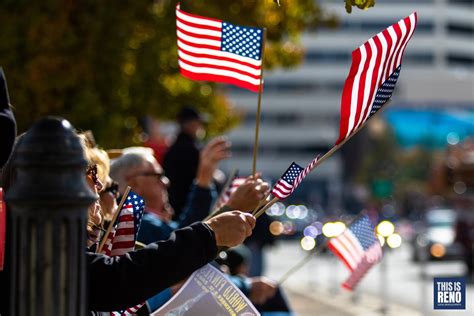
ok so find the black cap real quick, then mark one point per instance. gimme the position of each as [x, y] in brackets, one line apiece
[4, 99]
[190, 114]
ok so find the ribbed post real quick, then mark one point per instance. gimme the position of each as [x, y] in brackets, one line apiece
[46, 222]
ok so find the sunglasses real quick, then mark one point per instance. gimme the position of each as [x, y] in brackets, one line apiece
[113, 189]
[91, 172]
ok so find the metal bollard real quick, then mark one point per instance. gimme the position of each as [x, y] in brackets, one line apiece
[46, 224]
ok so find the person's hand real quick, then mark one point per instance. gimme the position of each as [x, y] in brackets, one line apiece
[262, 289]
[231, 228]
[214, 152]
[249, 194]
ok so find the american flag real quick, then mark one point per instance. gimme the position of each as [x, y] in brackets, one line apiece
[284, 187]
[374, 72]
[292, 178]
[214, 50]
[123, 236]
[358, 248]
[225, 196]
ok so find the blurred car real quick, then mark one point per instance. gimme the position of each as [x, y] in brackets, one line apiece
[436, 238]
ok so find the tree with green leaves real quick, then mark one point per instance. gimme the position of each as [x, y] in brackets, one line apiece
[104, 64]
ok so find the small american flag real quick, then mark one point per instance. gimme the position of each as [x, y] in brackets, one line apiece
[358, 248]
[284, 187]
[123, 236]
[225, 196]
[214, 50]
[292, 178]
[373, 74]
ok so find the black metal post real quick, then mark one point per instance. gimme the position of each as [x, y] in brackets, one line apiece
[46, 225]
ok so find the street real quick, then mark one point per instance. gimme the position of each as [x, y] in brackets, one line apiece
[318, 284]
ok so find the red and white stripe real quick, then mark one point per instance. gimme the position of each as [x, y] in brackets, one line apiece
[372, 64]
[373, 255]
[201, 58]
[348, 248]
[282, 189]
[225, 196]
[122, 239]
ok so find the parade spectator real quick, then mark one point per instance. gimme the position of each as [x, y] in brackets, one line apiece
[142, 172]
[182, 158]
[7, 122]
[138, 275]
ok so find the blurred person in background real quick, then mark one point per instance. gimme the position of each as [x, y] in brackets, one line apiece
[182, 158]
[154, 138]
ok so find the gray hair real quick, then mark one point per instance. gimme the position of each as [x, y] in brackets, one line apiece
[121, 166]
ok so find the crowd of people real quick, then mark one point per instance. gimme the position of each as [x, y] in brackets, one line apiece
[177, 234]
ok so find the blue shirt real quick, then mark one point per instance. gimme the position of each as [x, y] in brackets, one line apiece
[197, 208]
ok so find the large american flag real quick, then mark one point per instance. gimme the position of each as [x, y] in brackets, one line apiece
[373, 74]
[215, 50]
[123, 236]
[358, 248]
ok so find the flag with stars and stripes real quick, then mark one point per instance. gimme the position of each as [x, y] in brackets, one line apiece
[123, 236]
[292, 178]
[214, 50]
[284, 186]
[373, 74]
[358, 248]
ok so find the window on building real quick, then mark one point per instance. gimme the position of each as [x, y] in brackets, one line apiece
[460, 60]
[460, 29]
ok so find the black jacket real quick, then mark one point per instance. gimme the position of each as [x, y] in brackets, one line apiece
[120, 282]
[180, 164]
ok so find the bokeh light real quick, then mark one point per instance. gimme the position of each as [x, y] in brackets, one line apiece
[394, 240]
[276, 228]
[308, 243]
[437, 250]
[311, 231]
[385, 228]
[277, 209]
[338, 228]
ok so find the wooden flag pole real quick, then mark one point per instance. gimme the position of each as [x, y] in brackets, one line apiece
[326, 156]
[297, 266]
[257, 124]
[114, 219]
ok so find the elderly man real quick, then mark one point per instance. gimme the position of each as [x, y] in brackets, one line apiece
[141, 171]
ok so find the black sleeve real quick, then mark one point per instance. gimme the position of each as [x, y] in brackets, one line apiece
[120, 282]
